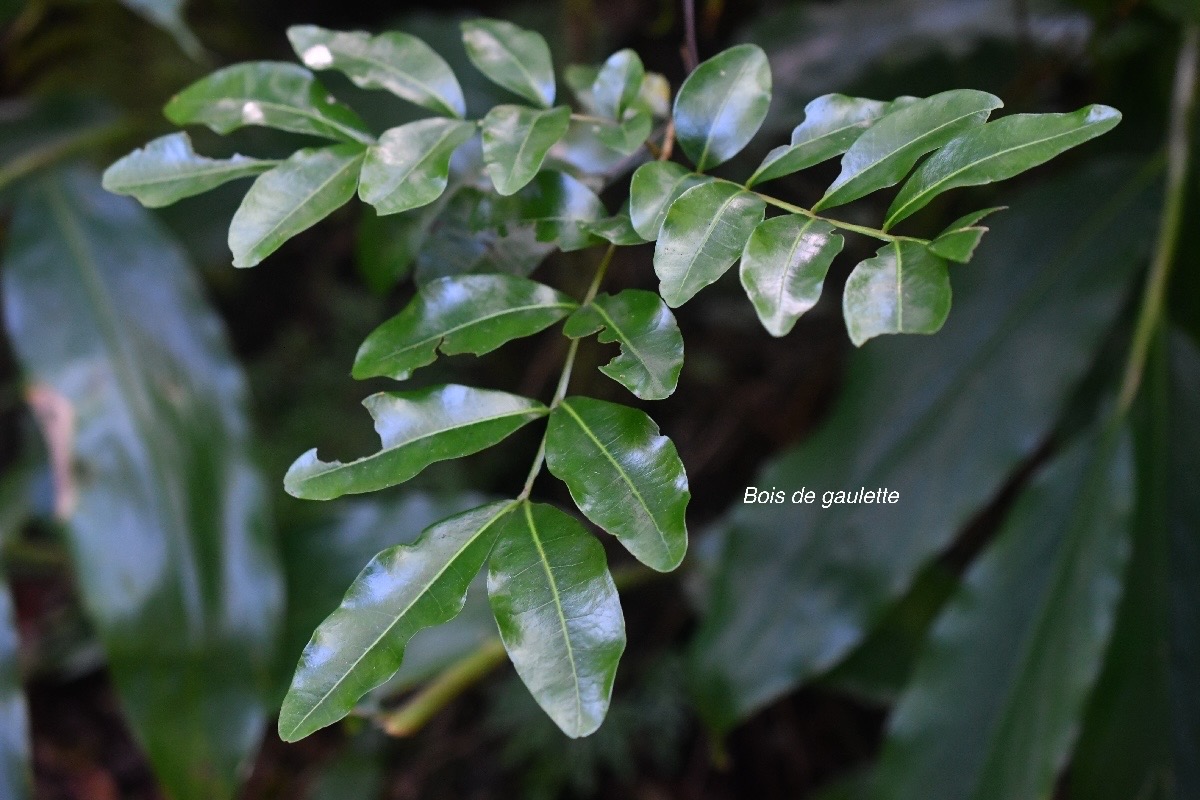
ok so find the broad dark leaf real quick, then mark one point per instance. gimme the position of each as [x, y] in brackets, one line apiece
[651, 356]
[624, 475]
[291, 198]
[417, 428]
[784, 266]
[798, 586]
[961, 237]
[617, 229]
[885, 153]
[652, 190]
[461, 314]
[702, 236]
[404, 589]
[618, 83]
[512, 57]
[168, 169]
[177, 567]
[516, 140]
[831, 124]
[905, 288]
[398, 62]
[1001, 685]
[410, 165]
[559, 614]
[560, 208]
[999, 150]
[721, 105]
[271, 93]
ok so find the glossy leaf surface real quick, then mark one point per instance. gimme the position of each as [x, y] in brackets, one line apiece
[798, 586]
[459, 314]
[291, 198]
[560, 208]
[887, 151]
[617, 229]
[410, 165]
[721, 105]
[702, 236]
[274, 94]
[516, 140]
[398, 62]
[512, 57]
[417, 428]
[831, 124]
[904, 289]
[961, 237]
[651, 356]
[999, 150]
[784, 266]
[652, 189]
[168, 169]
[402, 590]
[618, 83]
[1001, 685]
[559, 614]
[170, 530]
[624, 475]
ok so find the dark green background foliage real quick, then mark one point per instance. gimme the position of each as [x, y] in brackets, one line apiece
[510, 231]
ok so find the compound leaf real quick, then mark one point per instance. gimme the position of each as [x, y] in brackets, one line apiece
[398, 62]
[624, 476]
[904, 289]
[558, 613]
[270, 93]
[721, 105]
[291, 198]
[831, 124]
[417, 428]
[784, 266]
[410, 165]
[168, 169]
[652, 189]
[402, 590]
[997, 151]
[651, 354]
[702, 236]
[512, 57]
[516, 140]
[460, 314]
[886, 151]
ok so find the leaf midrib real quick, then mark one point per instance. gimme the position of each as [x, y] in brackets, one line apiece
[702, 161]
[250, 165]
[404, 77]
[432, 153]
[354, 134]
[712, 226]
[628, 343]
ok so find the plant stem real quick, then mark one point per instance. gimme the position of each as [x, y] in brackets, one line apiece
[564, 378]
[1183, 104]
[874, 233]
[60, 149]
[691, 53]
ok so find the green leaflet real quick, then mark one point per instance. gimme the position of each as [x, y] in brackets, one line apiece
[512, 57]
[410, 165]
[402, 64]
[784, 266]
[904, 289]
[559, 614]
[274, 94]
[168, 169]
[618, 83]
[997, 151]
[961, 237]
[1001, 685]
[402, 590]
[702, 236]
[516, 140]
[417, 428]
[1142, 726]
[885, 153]
[291, 198]
[627, 135]
[560, 208]
[721, 105]
[623, 475]
[172, 504]
[651, 356]
[831, 124]
[652, 189]
[617, 229]
[797, 587]
[460, 314]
